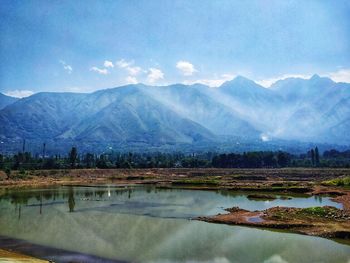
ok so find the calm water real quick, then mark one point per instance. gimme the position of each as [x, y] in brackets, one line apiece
[143, 224]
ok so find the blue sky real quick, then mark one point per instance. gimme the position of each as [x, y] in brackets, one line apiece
[88, 45]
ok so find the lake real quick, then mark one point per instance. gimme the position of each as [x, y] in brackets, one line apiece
[146, 224]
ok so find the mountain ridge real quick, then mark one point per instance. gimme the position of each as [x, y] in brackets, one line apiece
[6, 100]
[307, 110]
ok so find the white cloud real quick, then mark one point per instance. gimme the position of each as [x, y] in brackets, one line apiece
[108, 64]
[127, 65]
[215, 82]
[104, 71]
[99, 71]
[133, 70]
[154, 75]
[66, 67]
[342, 75]
[19, 93]
[131, 80]
[123, 63]
[186, 68]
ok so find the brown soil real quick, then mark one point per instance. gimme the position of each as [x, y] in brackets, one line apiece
[297, 179]
[328, 222]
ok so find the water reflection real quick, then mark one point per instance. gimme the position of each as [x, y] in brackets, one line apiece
[148, 200]
[146, 224]
[35, 197]
[71, 201]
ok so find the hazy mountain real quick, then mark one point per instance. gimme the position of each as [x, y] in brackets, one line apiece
[124, 114]
[260, 106]
[197, 103]
[133, 116]
[248, 92]
[42, 115]
[6, 100]
[299, 90]
[306, 110]
[315, 107]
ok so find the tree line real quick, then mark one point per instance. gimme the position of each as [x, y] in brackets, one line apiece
[254, 159]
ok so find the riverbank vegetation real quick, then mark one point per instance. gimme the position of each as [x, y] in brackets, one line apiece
[345, 181]
[263, 159]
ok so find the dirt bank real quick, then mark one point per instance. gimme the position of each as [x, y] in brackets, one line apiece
[327, 221]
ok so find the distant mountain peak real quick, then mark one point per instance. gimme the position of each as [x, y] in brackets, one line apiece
[241, 78]
[296, 82]
[240, 81]
[315, 77]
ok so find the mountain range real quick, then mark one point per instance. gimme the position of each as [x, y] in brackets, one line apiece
[6, 100]
[315, 110]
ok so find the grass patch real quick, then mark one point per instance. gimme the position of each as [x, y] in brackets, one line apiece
[197, 182]
[318, 211]
[22, 174]
[345, 181]
[308, 214]
[314, 211]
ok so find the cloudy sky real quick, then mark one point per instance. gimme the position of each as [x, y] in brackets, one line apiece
[83, 46]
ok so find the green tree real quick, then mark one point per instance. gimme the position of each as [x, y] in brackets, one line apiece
[49, 163]
[89, 160]
[8, 172]
[317, 157]
[73, 155]
[101, 164]
[313, 157]
[2, 161]
[283, 159]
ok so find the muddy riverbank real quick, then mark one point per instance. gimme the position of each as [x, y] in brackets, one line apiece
[328, 222]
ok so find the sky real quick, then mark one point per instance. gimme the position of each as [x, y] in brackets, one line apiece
[82, 46]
